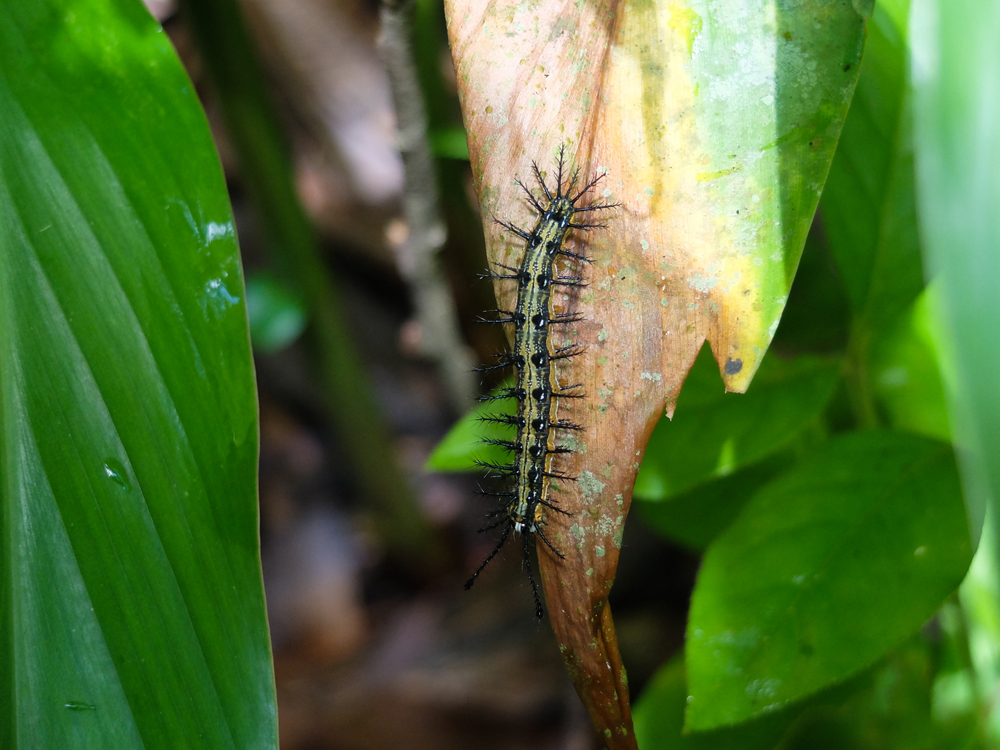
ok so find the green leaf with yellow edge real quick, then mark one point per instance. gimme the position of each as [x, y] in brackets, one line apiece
[132, 607]
[714, 123]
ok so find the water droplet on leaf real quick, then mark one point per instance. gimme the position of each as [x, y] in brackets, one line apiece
[116, 472]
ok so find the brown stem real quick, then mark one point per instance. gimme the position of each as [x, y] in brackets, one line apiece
[418, 253]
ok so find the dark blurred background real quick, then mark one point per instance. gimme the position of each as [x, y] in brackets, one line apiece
[371, 649]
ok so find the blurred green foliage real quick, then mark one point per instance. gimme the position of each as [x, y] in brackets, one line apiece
[277, 315]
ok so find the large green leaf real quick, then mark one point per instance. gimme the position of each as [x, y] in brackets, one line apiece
[826, 569]
[713, 433]
[659, 719]
[695, 517]
[957, 139]
[868, 203]
[905, 372]
[131, 603]
[888, 706]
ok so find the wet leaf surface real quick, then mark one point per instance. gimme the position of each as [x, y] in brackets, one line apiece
[132, 612]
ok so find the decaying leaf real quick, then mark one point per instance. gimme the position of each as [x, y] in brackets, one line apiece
[715, 122]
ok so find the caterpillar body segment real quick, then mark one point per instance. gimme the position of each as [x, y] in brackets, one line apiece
[534, 356]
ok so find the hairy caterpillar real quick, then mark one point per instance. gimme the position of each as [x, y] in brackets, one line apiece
[536, 389]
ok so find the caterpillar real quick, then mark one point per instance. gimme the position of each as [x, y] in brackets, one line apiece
[528, 492]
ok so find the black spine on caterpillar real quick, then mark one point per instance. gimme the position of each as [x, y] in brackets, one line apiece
[536, 387]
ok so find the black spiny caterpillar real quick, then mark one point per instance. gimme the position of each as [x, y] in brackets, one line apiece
[537, 390]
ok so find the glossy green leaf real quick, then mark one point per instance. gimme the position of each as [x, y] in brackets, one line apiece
[890, 707]
[131, 604]
[905, 374]
[713, 433]
[277, 316]
[825, 570]
[886, 707]
[841, 714]
[658, 717]
[868, 204]
[695, 517]
[957, 138]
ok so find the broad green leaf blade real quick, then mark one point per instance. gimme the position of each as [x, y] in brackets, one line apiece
[659, 719]
[905, 371]
[850, 709]
[893, 705]
[957, 139]
[131, 603]
[826, 569]
[713, 433]
[695, 517]
[716, 135]
[868, 204]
